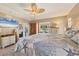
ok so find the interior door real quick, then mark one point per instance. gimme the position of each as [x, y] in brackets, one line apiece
[32, 28]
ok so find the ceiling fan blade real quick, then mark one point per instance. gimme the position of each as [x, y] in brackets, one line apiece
[33, 4]
[40, 10]
[28, 10]
[34, 7]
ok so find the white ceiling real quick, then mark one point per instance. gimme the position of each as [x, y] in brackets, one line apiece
[51, 9]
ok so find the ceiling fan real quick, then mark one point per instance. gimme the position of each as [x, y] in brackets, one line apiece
[35, 9]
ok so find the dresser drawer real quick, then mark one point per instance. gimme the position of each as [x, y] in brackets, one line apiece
[12, 39]
[5, 41]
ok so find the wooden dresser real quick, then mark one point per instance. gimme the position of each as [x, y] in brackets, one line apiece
[7, 40]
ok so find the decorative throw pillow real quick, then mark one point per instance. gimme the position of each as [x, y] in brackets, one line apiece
[70, 33]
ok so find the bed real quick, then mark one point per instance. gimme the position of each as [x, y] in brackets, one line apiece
[49, 45]
[53, 45]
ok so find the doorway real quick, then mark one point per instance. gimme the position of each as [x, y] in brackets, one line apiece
[32, 28]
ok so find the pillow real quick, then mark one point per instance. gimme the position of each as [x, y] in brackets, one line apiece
[70, 33]
[76, 38]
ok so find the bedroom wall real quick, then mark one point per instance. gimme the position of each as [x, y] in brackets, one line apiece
[61, 23]
[20, 20]
[74, 15]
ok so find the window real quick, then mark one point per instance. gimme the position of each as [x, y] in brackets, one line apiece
[44, 27]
